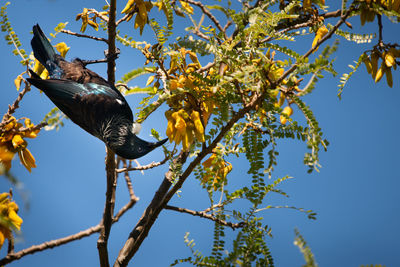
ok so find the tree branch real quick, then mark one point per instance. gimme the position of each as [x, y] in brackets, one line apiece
[313, 49]
[84, 35]
[208, 13]
[203, 214]
[110, 158]
[145, 167]
[15, 105]
[61, 241]
[149, 216]
[163, 196]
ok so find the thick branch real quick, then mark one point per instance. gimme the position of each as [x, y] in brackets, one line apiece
[205, 215]
[141, 229]
[110, 158]
[163, 196]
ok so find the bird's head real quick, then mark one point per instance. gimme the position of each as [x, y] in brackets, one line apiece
[134, 147]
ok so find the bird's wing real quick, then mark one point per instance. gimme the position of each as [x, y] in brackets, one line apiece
[88, 105]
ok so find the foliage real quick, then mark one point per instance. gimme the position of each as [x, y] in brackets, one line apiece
[231, 106]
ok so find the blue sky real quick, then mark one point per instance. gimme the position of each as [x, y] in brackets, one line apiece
[355, 194]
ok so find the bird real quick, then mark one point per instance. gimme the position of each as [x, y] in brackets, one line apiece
[90, 101]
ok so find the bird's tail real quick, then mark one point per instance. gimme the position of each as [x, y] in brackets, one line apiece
[42, 49]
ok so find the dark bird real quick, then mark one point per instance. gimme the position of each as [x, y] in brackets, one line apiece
[88, 100]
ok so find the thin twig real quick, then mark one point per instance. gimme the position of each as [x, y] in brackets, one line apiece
[145, 167]
[15, 105]
[314, 48]
[123, 19]
[84, 35]
[206, 67]
[61, 241]
[94, 11]
[208, 13]
[202, 214]
[49, 244]
[10, 249]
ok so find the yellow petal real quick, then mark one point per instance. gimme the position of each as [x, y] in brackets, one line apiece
[380, 72]
[149, 80]
[18, 82]
[2, 235]
[283, 119]
[27, 159]
[62, 48]
[143, 11]
[288, 111]
[389, 59]
[209, 162]
[322, 31]
[129, 7]
[93, 24]
[17, 141]
[180, 123]
[187, 7]
[170, 130]
[38, 68]
[44, 75]
[389, 77]
[15, 219]
[5, 154]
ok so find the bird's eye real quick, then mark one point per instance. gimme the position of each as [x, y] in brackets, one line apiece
[140, 149]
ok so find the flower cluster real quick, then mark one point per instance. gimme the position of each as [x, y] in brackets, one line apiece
[217, 169]
[279, 96]
[388, 56]
[8, 217]
[367, 12]
[191, 102]
[321, 32]
[12, 141]
[142, 8]
[86, 20]
[184, 128]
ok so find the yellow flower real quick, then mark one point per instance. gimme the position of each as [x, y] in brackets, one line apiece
[39, 69]
[216, 168]
[186, 7]
[27, 159]
[322, 31]
[62, 48]
[18, 142]
[12, 141]
[8, 217]
[6, 157]
[288, 111]
[142, 9]
[18, 82]
[199, 129]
